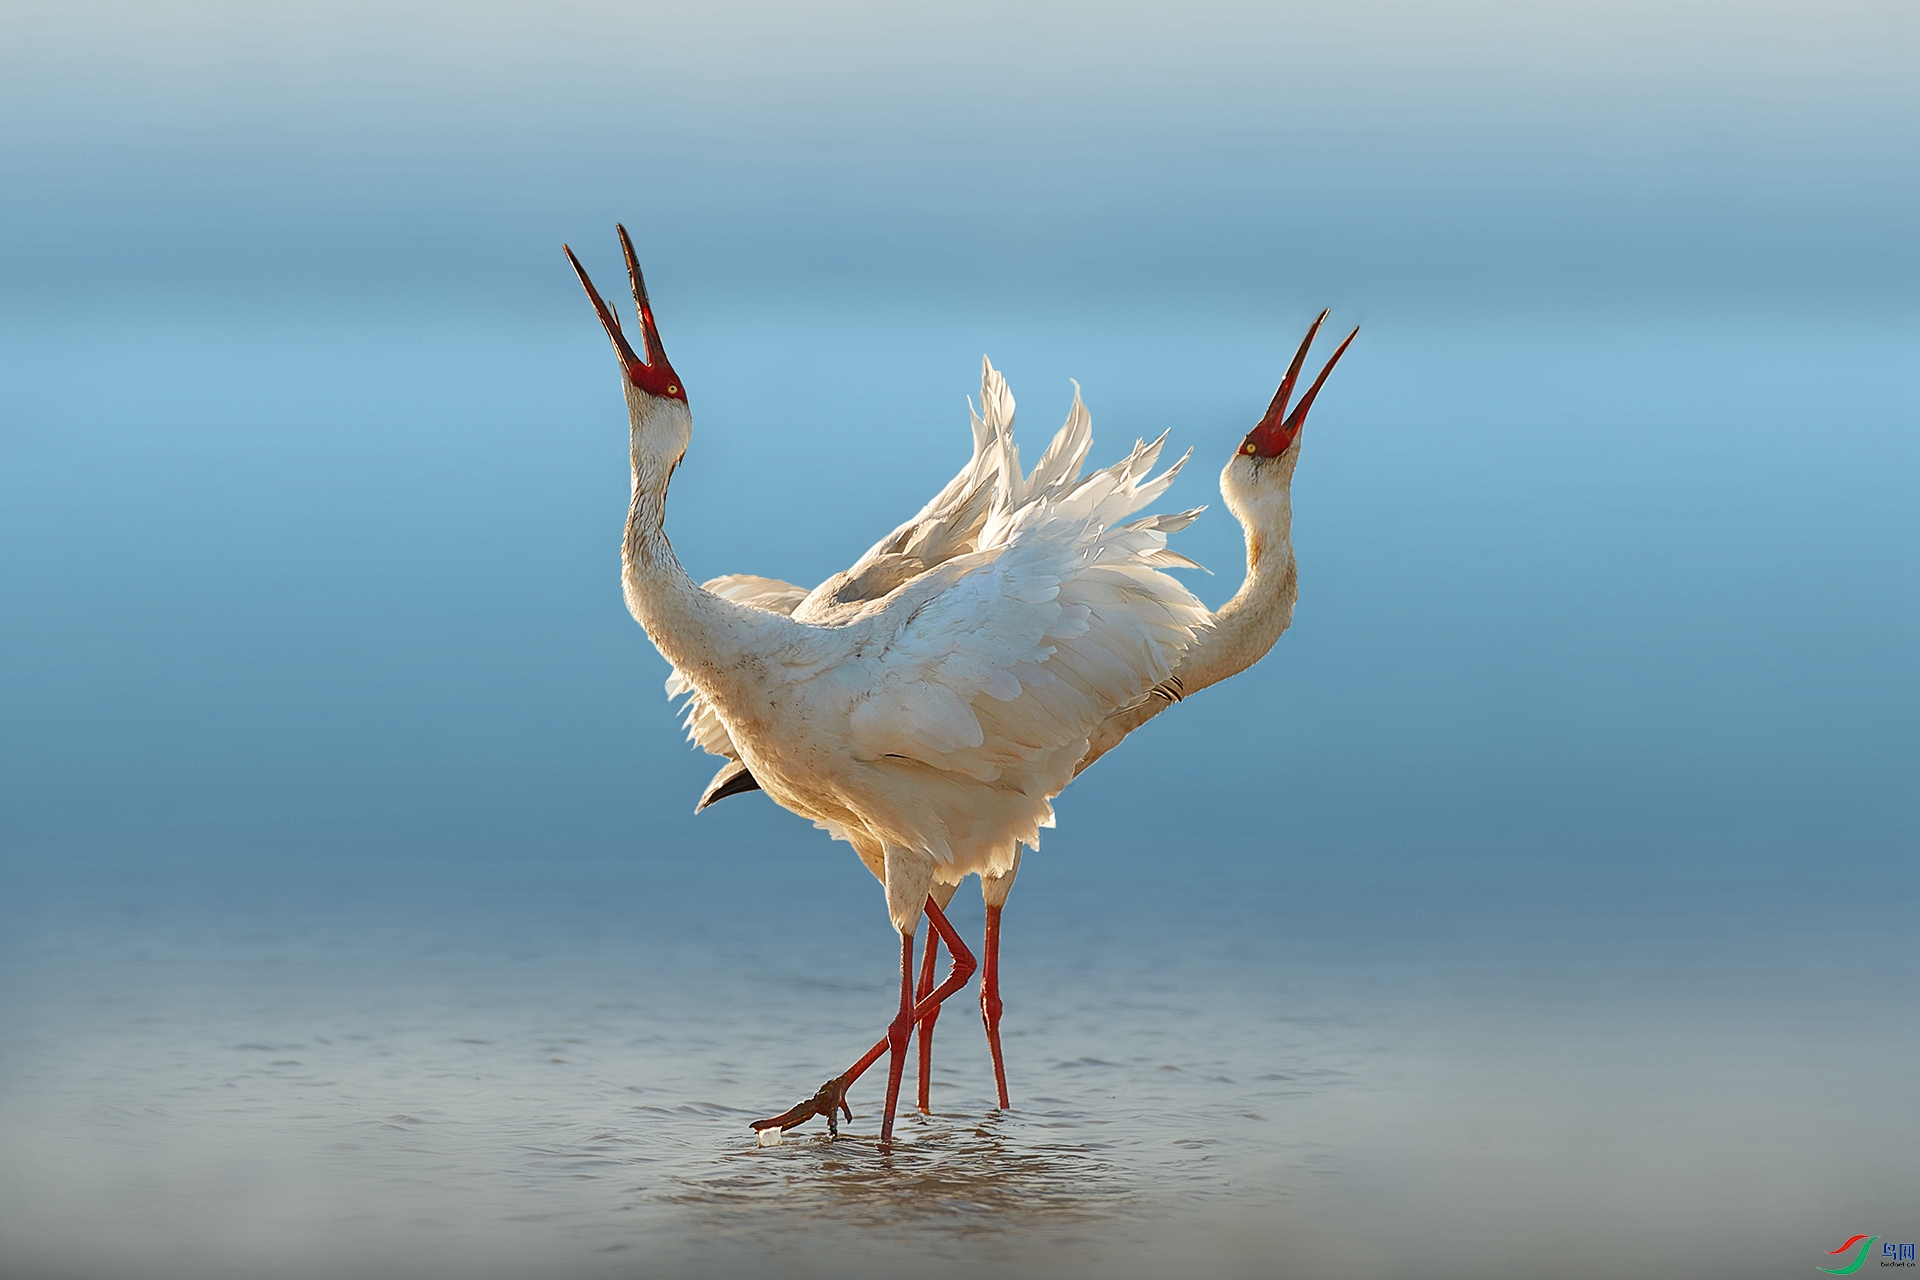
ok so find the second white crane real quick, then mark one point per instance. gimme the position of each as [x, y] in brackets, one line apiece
[1257, 486]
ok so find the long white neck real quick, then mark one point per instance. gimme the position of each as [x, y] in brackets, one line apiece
[709, 639]
[1247, 626]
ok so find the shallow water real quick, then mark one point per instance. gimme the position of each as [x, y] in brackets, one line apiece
[1544, 905]
[379, 1071]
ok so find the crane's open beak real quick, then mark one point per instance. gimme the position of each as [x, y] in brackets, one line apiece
[1278, 429]
[652, 375]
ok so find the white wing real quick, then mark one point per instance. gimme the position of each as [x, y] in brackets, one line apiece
[996, 666]
[1017, 613]
[952, 523]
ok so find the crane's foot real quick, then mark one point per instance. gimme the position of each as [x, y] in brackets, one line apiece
[831, 1098]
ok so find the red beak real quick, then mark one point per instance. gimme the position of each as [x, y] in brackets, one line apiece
[652, 375]
[1278, 429]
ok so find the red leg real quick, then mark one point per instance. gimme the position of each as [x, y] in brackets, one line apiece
[990, 1002]
[832, 1096]
[899, 1035]
[926, 1023]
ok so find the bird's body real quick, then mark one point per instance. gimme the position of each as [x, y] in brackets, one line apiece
[932, 726]
[1257, 486]
[928, 705]
[1033, 746]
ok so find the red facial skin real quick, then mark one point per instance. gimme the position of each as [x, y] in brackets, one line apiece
[652, 375]
[1279, 429]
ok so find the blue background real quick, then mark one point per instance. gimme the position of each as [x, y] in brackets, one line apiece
[315, 468]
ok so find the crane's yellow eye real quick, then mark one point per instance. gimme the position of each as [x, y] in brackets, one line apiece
[1247, 447]
[672, 390]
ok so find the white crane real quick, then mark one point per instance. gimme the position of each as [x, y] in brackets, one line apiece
[1257, 486]
[929, 727]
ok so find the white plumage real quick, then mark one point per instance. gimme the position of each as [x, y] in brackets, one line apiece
[928, 708]
[1257, 485]
[1054, 616]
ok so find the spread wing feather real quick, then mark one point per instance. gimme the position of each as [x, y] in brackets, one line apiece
[1009, 617]
[1059, 620]
[948, 526]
